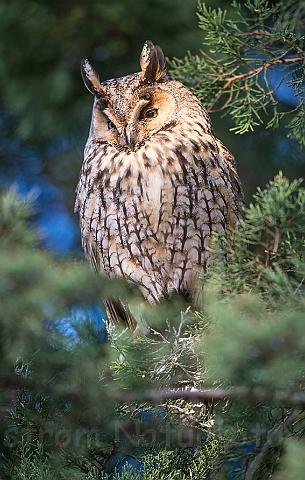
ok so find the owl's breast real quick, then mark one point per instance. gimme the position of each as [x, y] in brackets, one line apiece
[149, 215]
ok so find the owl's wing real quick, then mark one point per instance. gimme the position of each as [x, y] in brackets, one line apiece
[235, 181]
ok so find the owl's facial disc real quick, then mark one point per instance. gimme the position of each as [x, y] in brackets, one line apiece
[151, 114]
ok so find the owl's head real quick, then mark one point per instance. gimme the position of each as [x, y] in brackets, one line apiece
[129, 110]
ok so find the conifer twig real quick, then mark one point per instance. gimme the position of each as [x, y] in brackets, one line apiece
[274, 435]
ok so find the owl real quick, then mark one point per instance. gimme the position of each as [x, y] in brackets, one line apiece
[155, 182]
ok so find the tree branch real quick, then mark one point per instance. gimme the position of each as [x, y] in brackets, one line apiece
[228, 81]
[253, 394]
[272, 437]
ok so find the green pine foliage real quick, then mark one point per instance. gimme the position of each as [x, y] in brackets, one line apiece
[255, 349]
[232, 74]
[71, 406]
[268, 243]
[76, 407]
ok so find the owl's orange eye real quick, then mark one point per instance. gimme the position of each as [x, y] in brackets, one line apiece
[153, 113]
[111, 125]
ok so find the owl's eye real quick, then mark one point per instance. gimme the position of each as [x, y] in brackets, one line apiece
[111, 125]
[153, 113]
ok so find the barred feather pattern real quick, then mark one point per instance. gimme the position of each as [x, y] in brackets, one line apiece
[148, 206]
[148, 216]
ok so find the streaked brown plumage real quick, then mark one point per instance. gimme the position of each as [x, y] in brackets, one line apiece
[155, 181]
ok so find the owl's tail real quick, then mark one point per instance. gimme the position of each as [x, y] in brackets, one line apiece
[118, 313]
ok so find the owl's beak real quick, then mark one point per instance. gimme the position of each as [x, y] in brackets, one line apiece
[131, 137]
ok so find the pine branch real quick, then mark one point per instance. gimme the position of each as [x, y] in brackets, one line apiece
[242, 52]
[254, 72]
[290, 417]
[257, 394]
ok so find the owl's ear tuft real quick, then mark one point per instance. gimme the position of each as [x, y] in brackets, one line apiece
[91, 79]
[152, 63]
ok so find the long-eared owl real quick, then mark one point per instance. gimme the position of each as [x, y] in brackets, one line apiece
[155, 182]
